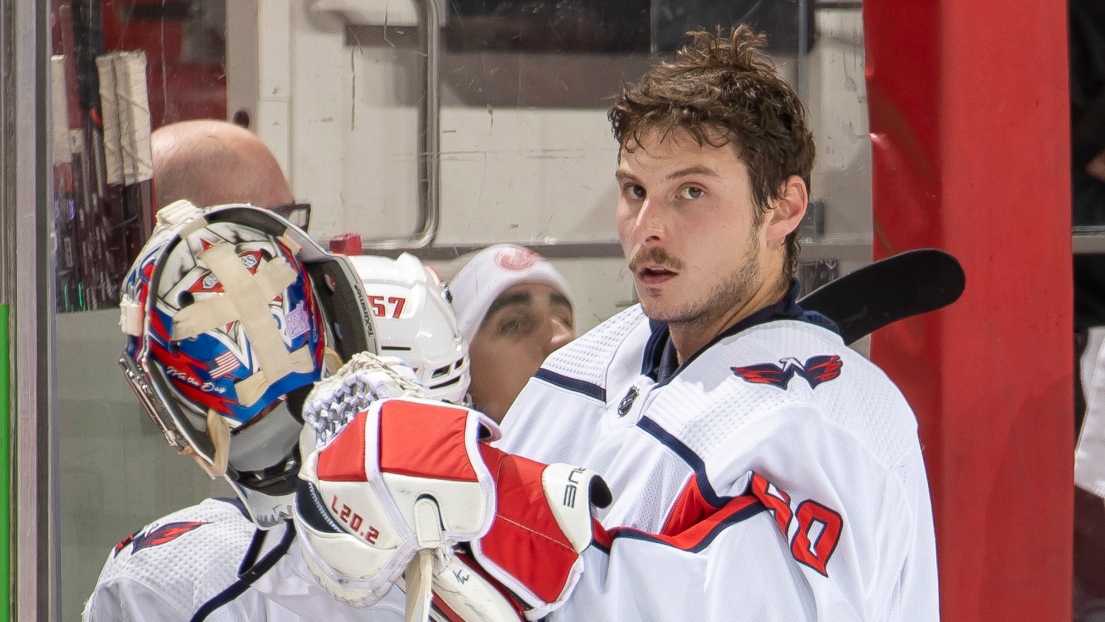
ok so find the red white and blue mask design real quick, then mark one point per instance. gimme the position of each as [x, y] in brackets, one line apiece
[234, 325]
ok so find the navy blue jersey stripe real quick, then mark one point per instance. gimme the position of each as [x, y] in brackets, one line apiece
[246, 577]
[688, 456]
[255, 546]
[593, 391]
[635, 534]
[236, 502]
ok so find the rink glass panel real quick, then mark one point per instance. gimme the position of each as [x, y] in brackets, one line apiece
[526, 156]
[115, 471]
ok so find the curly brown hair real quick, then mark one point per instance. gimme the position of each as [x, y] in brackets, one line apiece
[723, 89]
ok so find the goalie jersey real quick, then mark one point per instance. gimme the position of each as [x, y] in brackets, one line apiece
[776, 475]
[210, 562]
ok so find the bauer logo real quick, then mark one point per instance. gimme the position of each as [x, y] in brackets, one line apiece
[573, 485]
[816, 370]
[516, 259]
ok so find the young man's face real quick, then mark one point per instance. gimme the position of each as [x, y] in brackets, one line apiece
[523, 326]
[693, 236]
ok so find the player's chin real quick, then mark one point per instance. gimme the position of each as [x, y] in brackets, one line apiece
[654, 293]
[657, 309]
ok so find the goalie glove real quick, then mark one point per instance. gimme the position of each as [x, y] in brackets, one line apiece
[543, 522]
[529, 562]
[394, 483]
[386, 479]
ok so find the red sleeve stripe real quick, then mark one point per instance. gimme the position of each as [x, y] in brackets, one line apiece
[690, 508]
[696, 537]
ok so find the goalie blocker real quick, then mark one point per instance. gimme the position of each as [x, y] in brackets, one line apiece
[387, 498]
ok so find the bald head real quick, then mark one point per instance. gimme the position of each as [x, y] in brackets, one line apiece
[213, 162]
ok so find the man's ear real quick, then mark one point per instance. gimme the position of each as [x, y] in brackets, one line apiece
[788, 210]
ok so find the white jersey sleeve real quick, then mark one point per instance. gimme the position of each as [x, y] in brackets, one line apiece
[1089, 452]
[173, 566]
[291, 585]
[775, 476]
[210, 562]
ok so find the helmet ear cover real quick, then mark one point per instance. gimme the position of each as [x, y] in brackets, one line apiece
[148, 381]
[348, 329]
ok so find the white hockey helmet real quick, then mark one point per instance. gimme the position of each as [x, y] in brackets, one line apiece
[416, 323]
[232, 314]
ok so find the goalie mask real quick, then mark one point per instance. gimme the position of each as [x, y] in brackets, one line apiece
[416, 323]
[232, 313]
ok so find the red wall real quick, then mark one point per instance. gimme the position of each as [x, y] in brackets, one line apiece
[970, 134]
[179, 88]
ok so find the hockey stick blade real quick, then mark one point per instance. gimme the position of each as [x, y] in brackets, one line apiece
[895, 288]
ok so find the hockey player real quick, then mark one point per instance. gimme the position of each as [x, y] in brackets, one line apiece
[760, 469]
[231, 315]
[416, 323]
[771, 472]
[514, 309]
[200, 562]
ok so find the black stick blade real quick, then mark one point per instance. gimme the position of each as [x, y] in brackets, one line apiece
[901, 286]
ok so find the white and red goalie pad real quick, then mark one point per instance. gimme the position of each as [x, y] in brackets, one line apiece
[372, 479]
[543, 522]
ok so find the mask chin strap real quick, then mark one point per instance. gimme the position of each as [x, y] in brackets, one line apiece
[218, 430]
[331, 361]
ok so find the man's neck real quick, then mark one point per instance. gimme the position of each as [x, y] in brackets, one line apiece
[691, 337]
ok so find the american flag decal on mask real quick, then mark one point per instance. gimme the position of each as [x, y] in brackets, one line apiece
[224, 364]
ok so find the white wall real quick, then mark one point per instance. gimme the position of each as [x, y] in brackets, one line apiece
[512, 168]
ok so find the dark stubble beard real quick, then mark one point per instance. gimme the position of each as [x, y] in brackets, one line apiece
[729, 293]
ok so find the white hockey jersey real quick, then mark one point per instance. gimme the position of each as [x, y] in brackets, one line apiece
[776, 475]
[203, 563]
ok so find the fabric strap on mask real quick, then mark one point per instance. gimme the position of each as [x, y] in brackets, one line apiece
[245, 299]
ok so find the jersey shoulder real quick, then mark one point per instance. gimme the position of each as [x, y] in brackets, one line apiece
[784, 375]
[186, 557]
[559, 411]
[614, 345]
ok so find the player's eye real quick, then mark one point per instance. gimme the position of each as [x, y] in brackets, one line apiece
[634, 191]
[691, 192]
[565, 320]
[516, 326]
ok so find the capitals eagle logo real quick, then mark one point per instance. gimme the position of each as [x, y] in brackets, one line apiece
[816, 370]
[157, 536]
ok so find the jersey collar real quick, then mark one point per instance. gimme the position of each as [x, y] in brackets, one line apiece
[661, 362]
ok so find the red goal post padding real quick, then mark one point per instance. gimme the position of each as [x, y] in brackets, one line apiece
[970, 147]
